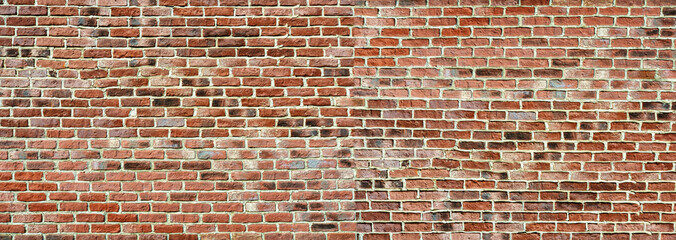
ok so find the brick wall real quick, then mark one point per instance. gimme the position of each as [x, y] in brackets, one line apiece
[337, 119]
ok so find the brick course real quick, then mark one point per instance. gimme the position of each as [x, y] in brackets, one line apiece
[337, 119]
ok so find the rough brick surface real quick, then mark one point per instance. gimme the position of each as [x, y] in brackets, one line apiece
[337, 119]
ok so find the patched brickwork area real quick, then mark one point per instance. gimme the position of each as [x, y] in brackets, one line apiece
[337, 119]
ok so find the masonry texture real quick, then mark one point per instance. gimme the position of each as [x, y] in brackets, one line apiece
[337, 119]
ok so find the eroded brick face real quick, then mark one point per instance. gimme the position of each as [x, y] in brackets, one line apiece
[330, 119]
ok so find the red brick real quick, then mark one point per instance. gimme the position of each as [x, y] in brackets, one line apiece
[323, 119]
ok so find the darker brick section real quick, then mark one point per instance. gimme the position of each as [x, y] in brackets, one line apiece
[136, 165]
[165, 102]
[669, 11]
[176, 120]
